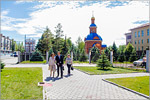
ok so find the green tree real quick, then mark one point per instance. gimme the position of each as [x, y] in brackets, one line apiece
[95, 53]
[128, 51]
[83, 56]
[133, 56]
[103, 62]
[45, 42]
[121, 56]
[143, 54]
[50, 52]
[65, 46]
[58, 41]
[36, 56]
[13, 45]
[96, 56]
[115, 49]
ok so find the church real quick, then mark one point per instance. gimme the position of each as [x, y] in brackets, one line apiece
[93, 39]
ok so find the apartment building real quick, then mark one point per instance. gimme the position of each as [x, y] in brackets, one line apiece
[29, 45]
[5, 44]
[140, 38]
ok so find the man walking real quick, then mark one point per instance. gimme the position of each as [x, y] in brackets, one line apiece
[59, 63]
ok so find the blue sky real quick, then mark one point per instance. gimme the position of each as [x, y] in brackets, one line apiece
[113, 19]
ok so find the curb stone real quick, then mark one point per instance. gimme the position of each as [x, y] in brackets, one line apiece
[127, 89]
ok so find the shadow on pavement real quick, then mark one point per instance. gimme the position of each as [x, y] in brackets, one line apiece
[67, 75]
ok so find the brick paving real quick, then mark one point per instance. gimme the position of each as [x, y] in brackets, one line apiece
[82, 86]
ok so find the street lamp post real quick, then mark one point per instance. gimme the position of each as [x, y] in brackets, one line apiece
[90, 56]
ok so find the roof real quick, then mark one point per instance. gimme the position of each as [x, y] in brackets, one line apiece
[93, 36]
[92, 25]
[104, 45]
[129, 33]
[144, 25]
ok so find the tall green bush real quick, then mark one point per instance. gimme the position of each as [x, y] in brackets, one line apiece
[36, 56]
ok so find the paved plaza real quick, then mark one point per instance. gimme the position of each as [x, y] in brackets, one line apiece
[82, 86]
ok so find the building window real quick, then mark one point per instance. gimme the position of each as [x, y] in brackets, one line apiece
[138, 33]
[129, 37]
[139, 41]
[142, 41]
[147, 40]
[142, 48]
[135, 42]
[142, 32]
[135, 35]
[147, 32]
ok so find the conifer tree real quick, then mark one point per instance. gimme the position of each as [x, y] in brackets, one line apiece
[36, 56]
[103, 62]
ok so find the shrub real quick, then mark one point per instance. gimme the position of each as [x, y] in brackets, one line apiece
[36, 56]
[2, 65]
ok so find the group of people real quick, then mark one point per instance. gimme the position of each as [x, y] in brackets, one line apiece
[58, 60]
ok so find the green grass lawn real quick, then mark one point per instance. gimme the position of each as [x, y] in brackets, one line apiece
[110, 70]
[139, 84]
[21, 83]
[80, 62]
[123, 62]
[33, 62]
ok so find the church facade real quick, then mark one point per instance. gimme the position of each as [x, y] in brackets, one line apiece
[93, 39]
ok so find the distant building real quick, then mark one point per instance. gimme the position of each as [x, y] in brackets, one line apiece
[140, 38]
[29, 45]
[93, 39]
[128, 38]
[5, 44]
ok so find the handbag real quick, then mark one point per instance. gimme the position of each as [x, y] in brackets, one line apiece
[63, 67]
[72, 68]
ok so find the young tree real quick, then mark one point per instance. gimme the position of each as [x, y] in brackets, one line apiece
[103, 62]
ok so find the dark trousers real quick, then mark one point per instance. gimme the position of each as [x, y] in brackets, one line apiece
[61, 70]
[69, 67]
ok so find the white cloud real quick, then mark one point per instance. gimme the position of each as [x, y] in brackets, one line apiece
[111, 23]
[22, 1]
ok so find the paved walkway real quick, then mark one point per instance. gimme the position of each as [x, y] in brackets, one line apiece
[83, 86]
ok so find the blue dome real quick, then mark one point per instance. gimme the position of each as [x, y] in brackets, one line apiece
[91, 36]
[92, 25]
[104, 45]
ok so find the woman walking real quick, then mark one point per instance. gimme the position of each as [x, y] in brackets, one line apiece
[69, 63]
[52, 66]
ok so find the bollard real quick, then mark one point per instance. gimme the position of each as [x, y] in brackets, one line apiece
[47, 57]
[147, 60]
[111, 57]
